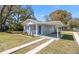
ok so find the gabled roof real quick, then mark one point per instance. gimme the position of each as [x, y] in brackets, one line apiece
[30, 20]
[42, 22]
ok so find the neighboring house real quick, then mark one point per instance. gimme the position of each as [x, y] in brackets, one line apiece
[36, 27]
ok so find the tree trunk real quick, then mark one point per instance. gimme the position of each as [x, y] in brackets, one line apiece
[1, 17]
[3, 24]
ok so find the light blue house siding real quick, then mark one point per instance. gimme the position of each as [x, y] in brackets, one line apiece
[47, 29]
[35, 27]
[42, 29]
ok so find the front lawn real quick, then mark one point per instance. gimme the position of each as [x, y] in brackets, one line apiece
[8, 40]
[30, 47]
[67, 35]
[66, 45]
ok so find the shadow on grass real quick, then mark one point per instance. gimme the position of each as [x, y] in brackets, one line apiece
[67, 37]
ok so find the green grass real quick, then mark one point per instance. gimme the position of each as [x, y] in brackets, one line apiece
[8, 40]
[66, 45]
[67, 35]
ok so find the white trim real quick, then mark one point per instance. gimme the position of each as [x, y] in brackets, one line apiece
[30, 23]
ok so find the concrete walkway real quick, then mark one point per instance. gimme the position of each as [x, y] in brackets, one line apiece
[76, 37]
[48, 37]
[22, 46]
[37, 49]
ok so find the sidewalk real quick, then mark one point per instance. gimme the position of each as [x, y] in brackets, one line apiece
[76, 37]
[22, 46]
[37, 49]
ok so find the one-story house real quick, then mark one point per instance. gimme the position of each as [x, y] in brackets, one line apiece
[36, 27]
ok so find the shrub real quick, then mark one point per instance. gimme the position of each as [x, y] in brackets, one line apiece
[16, 32]
[9, 31]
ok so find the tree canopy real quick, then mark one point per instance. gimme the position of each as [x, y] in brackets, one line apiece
[11, 17]
[73, 23]
[14, 15]
[60, 15]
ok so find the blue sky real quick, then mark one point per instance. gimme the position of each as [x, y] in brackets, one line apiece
[41, 10]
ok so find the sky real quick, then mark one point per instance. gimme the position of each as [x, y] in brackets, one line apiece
[41, 10]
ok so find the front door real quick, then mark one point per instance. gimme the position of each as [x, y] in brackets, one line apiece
[39, 31]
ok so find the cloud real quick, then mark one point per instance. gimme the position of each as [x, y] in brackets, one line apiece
[57, 7]
[42, 15]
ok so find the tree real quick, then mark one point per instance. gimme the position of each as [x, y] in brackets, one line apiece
[4, 14]
[14, 14]
[20, 14]
[60, 15]
[27, 13]
[73, 23]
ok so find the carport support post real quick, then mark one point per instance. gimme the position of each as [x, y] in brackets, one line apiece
[36, 29]
[24, 29]
[29, 30]
[41, 29]
[57, 32]
[61, 31]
